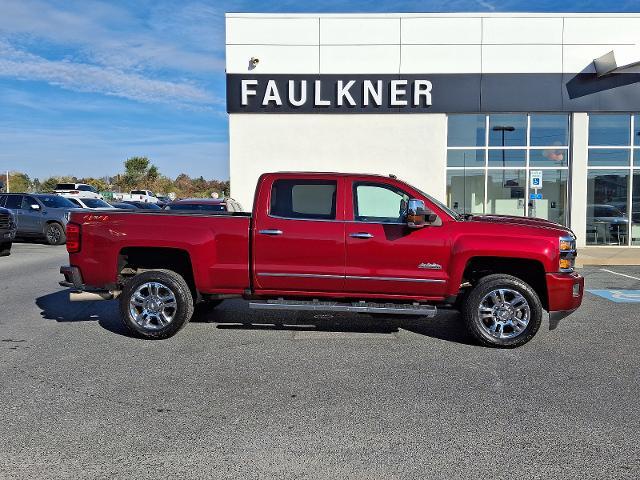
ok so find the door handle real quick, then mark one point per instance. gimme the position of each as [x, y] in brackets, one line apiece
[270, 232]
[361, 235]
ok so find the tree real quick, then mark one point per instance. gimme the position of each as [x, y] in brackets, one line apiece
[19, 182]
[96, 183]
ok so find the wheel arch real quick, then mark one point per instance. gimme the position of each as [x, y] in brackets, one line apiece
[528, 270]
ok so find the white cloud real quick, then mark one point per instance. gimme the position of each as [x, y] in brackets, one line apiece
[113, 36]
[98, 79]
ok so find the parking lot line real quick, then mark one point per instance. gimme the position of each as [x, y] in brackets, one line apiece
[621, 274]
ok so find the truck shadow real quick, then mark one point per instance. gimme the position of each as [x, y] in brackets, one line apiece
[235, 315]
[56, 306]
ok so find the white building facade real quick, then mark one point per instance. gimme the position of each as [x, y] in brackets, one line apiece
[516, 114]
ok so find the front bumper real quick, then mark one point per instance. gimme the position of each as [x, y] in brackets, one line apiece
[564, 291]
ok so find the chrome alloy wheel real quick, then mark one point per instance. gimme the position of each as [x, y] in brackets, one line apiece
[504, 313]
[153, 306]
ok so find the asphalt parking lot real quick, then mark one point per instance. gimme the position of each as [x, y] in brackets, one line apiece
[240, 394]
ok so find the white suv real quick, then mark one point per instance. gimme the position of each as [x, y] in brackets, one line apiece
[77, 190]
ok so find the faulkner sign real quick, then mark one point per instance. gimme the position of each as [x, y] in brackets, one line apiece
[432, 93]
[331, 93]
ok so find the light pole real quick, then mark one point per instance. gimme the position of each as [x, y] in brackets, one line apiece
[502, 129]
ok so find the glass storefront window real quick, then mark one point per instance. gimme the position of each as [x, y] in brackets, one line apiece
[608, 157]
[465, 158]
[553, 204]
[507, 158]
[510, 156]
[465, 191]
[549, 157]
[466, 131]
[506, 192]
[549, 130]
[635, 210]
[607, 197]
[636, 158]
[507, 130]
[606, 129]
[636, 130]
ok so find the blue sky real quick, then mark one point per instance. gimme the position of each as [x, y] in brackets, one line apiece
[85, 84]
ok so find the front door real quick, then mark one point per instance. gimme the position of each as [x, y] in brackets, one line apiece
[299, 240]
[30, 219]
[384, 256]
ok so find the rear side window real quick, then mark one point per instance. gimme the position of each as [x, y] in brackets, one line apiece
[13, 201]
[304, 199]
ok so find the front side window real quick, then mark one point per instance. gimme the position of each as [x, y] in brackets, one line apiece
[27, 202]
[304, 199]
[379, 203]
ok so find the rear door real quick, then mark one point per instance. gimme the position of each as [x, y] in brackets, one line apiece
[299, 234]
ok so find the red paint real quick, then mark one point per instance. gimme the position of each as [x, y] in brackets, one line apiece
[313, 258]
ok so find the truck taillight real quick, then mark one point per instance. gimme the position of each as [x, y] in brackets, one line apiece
[73, 238]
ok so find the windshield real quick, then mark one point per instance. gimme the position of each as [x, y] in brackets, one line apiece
[219, 207]
[95, 203]
[54, 201]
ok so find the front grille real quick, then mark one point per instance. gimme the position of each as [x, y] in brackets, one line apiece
[5, 220]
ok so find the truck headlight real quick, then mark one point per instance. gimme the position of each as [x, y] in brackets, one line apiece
[567, 247]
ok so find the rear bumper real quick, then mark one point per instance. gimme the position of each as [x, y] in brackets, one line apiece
[79, 291]
[565, 291]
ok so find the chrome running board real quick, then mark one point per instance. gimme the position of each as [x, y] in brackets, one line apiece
[355, 307]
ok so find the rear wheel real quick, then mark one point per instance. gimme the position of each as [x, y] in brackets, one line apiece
[5, 249]
[55, 235]
[156, 304]
[502, 311]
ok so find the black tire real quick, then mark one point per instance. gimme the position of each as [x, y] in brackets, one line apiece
[478, 327]
[155, 329]
[5, 249]
[54, 234]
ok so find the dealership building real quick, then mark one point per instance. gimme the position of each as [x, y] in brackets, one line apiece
[516, 114]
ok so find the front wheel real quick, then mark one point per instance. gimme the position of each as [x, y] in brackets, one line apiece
[502, 311]
[156, 304]
[54, 233]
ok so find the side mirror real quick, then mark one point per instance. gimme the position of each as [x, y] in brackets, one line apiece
[418, 215]
[35, 206]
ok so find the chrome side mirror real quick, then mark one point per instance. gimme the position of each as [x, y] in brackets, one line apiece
[417, 214]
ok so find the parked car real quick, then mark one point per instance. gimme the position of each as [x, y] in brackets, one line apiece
[146, 196]
[91, 203]
[143, 205]
[8, 229]
[39, 215]
[334, 242]
[77, 190]
[123, 206]
[205, 205]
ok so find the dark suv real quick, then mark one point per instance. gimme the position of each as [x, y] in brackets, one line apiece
[38, 215]
[7, 231]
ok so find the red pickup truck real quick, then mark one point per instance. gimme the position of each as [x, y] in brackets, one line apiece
[331, 242]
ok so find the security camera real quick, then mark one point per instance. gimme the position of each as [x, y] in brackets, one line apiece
[254, 61]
